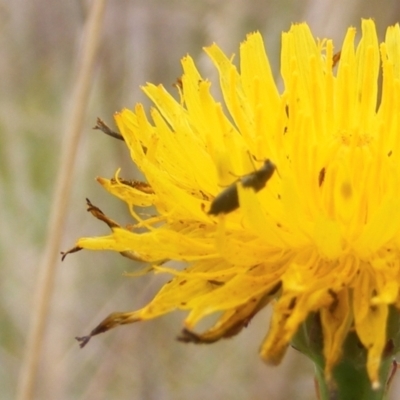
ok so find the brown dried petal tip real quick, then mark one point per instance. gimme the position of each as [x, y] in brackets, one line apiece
[102, 126]
[73, 250]
[113, 320]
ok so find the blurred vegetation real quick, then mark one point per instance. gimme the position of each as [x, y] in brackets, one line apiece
[142, 41]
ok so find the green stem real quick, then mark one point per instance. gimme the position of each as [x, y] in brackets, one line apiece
[351, 382]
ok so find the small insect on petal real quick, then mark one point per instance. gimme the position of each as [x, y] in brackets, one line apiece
[228, 200]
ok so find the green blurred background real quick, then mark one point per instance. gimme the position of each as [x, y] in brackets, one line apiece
[142, 41]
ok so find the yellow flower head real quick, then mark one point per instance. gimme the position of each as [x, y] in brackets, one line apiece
[320, 234]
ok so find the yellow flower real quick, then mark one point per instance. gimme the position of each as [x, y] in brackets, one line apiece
[322, 237]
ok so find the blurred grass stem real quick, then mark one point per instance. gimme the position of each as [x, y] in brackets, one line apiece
[47, 268]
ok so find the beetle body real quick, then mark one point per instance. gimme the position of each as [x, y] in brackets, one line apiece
[228, 200]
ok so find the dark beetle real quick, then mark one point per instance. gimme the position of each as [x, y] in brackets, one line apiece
[228, 200]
